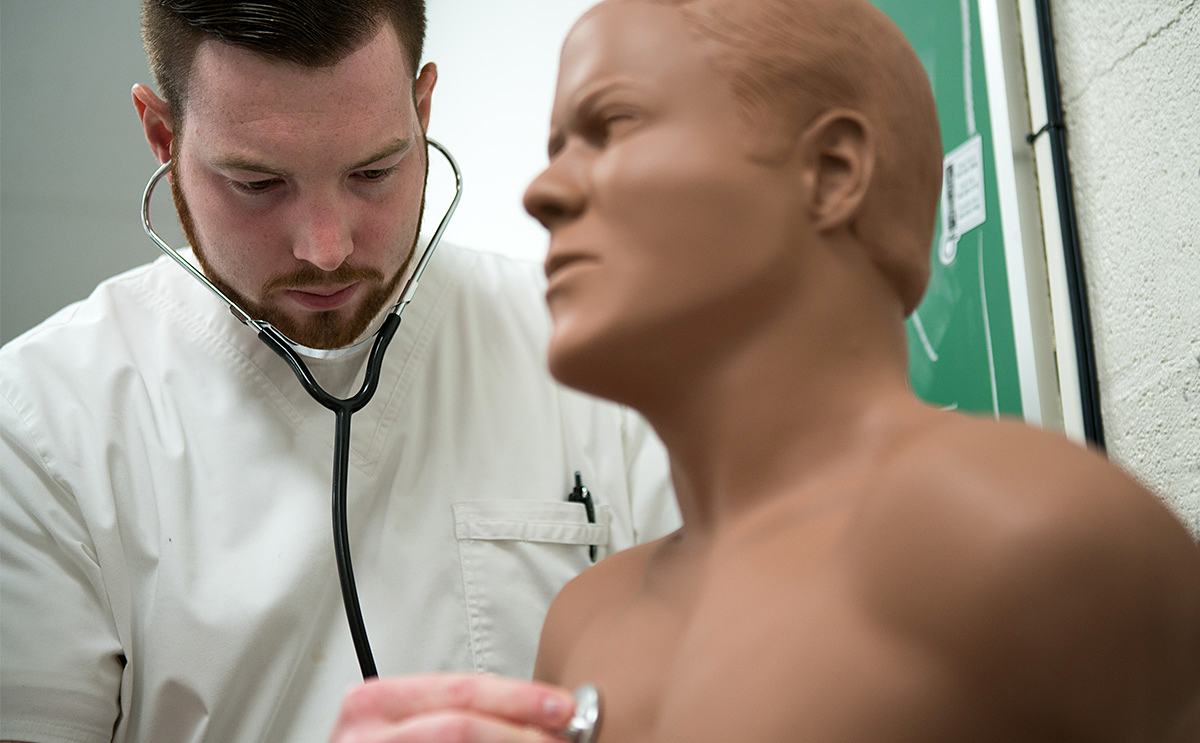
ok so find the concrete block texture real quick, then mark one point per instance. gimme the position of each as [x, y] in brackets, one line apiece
[1130, 79]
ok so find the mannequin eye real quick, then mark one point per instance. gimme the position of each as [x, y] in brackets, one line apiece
[611, 122]
[608, 123]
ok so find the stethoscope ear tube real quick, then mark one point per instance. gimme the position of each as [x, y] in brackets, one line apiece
[289, 351]
[406, 295]
[174, 254]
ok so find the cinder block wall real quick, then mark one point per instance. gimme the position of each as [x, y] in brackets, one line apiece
[1130, 79]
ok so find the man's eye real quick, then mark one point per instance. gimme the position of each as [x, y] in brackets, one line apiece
[375, 174]
[255, 186]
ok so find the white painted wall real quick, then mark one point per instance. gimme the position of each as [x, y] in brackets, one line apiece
[1130, 78]
[72, 158]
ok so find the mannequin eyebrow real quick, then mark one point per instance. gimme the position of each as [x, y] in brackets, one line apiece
[581, 107]
[235, 162]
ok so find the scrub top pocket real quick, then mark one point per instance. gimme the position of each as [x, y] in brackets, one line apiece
[516, 556]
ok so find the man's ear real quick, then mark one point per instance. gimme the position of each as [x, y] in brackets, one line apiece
[155, 115]
[839, 158]
[423, 93]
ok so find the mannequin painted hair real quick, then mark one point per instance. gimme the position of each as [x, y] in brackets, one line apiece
[789, 61]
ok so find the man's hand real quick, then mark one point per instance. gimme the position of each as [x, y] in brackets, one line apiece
[452, 708]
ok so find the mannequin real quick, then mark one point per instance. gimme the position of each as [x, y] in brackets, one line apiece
[740, 200]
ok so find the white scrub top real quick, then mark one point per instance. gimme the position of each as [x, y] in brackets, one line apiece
[167, 562]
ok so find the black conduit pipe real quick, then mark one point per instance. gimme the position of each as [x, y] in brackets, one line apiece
[1093, 425]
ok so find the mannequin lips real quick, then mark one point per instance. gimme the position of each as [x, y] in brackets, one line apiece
[561, 265]
[557, 261]
[322, 298]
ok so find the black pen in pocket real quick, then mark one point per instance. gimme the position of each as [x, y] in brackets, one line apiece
[582, 495]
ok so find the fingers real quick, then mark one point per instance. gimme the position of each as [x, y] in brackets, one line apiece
[456, 727]
[453, 707]
[495, 696]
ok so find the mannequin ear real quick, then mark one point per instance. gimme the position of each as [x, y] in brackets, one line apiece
[839, 159]
[155, 115]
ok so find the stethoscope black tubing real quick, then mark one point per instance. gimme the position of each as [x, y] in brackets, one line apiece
[343, 409]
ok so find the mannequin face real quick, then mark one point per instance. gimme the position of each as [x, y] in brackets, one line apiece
[662, 228]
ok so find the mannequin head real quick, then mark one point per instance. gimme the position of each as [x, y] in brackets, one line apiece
[789, 61]
[712, 159]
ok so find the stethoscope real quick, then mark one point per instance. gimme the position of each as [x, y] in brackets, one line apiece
[585, 724]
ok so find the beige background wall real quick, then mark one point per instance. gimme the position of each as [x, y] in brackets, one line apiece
[1130, 80]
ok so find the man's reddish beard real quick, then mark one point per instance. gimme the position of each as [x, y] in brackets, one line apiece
[322, 329]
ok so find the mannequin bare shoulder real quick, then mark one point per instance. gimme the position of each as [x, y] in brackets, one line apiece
[988, 582]
[992, 582]
[583, 603]
[1036, 576]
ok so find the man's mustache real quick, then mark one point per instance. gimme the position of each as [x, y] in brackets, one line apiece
[310, 276]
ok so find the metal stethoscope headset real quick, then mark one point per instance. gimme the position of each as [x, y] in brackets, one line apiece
[584, 726]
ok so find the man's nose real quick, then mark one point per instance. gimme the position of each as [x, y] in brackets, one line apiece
[323, 234]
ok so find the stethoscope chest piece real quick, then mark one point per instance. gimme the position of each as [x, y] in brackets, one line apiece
[584, 727]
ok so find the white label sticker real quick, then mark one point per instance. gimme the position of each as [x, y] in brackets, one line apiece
[963, 207]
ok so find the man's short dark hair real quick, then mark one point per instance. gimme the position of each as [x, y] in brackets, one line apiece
[311, 33]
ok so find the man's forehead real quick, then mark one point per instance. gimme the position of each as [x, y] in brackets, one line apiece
[218, 65]
[265, 115]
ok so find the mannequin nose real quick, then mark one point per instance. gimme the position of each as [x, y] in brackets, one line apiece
[555, 195]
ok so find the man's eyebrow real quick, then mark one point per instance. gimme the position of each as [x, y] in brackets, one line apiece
[401, 145]
[237, 162]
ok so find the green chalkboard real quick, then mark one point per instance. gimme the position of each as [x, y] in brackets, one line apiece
[961, 346]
